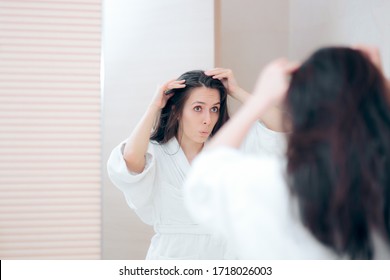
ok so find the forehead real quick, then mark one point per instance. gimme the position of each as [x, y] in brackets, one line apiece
[209, 96]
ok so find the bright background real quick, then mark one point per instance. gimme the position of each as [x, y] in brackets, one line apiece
[60, 116]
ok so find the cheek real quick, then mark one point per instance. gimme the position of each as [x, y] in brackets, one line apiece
[185, 121]
[187, 114]
[189, 118]
[193, 117]
[215, 118]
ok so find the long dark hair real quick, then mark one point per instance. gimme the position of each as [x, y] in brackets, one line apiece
[339, 150]
[168, 122]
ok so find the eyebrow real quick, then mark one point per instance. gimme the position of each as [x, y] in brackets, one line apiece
[203, 103]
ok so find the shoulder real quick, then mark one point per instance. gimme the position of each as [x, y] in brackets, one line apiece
[234, 158]
[231, 167]
[262, 140]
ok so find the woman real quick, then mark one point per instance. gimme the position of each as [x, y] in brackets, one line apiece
[150, 168]
[330, 196]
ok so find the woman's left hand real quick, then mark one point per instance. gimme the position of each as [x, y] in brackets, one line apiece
[226, 77]
[372, 53]
[273, 81]
[228, 80]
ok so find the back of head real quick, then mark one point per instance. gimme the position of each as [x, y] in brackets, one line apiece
[168, 122]
[339, 150]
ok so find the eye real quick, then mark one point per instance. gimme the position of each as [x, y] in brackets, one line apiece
[215, 109]
[197, 108]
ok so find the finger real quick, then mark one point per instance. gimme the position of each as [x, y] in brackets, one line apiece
[169, 81]
[371, 52]
[165, 85]
[169, 90]
[176, 85]
[292, 66]
[169, 95]
[216, 71]
[172, 81]
[226, 73]
[286, 65]
[367, 48]
[220, 76]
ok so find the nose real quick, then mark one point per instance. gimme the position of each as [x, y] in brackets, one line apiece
[207, 118]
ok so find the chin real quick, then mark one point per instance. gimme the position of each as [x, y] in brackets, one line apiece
[201, 140]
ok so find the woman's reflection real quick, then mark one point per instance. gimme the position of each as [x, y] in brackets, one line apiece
[151, 165]
[150, 168]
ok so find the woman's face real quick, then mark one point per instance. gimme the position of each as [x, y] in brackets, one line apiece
[200, 114]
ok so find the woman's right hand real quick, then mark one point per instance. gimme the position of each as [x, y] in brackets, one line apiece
[372, 53]
[160, 98]
[274, 80]
[374, 56]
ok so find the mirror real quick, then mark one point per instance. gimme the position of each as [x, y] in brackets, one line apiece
[148, 42]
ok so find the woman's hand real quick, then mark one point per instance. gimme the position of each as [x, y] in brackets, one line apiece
[374, 56]
[228, 80]
[226, 77]
[372, 53]
[161, 97]
[273, 82]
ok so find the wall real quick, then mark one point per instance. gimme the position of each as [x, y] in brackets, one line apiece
[250, 33]
[325, 22]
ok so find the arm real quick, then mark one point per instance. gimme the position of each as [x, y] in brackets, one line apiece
[272, 117]
[270, 90]
[137, 144]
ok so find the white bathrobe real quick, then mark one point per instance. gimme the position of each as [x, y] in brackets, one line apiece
[247, 198]
[156, 196]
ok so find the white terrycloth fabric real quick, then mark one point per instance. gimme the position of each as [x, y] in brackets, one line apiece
[157, 198]
[247, 198]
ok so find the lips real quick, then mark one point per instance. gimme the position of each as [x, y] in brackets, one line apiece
[204, 132]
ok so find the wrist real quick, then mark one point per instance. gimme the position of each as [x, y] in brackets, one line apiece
[240, 94]
[257, 106]
[153, 108]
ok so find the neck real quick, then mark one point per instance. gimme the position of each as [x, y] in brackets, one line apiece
[190, 148]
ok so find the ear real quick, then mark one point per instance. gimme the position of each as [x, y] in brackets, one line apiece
[173, 110]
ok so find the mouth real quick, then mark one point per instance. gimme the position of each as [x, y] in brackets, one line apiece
[204, 133]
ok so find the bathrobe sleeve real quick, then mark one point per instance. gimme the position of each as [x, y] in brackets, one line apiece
[246, 198]
[137, 188]
[264, 141]
[241, 196]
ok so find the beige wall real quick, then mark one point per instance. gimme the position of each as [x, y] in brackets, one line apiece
[324, 22]
[250, 33]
